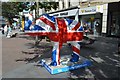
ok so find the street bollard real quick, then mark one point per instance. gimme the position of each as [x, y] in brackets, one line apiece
[119, 47]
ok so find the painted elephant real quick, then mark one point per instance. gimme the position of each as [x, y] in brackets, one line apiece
[59, 31]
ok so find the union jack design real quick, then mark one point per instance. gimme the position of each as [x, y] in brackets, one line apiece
[60, 31]
[28, 23]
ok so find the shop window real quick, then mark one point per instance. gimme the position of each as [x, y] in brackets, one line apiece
[115, 24]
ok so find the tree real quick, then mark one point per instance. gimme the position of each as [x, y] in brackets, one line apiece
[11, 9]
[46, 5]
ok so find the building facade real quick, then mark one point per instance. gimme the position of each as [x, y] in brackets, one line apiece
[106, 13]
[113, 23]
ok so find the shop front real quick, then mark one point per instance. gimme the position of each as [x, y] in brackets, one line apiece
[89, 16]
[113, 26]
[91, 19]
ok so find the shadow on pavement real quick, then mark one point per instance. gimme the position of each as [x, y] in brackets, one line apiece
[37, 52]
[105, 61]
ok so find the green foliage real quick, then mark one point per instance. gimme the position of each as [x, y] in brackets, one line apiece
[54, 5]
[22, 5]
[46, 5]
[13, 8]
[9, 9]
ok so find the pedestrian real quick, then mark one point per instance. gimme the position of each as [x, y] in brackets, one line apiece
[2, 29]
[7, 29]
[86, 30]
[97, 26]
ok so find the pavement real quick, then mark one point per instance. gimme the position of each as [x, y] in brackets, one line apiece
[20, 58]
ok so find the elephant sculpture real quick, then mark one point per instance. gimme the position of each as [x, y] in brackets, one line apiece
[59, 30]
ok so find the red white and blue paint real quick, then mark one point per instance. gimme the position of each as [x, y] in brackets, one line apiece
[28, 22]
[60, 31]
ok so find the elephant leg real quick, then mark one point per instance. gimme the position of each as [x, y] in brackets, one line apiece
[76, 52]
[55, 54]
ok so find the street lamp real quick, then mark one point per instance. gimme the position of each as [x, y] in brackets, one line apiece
[37, 8]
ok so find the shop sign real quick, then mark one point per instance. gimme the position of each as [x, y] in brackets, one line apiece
[65, 13]
[91, 10]
[87, 10]
[25, 12]
[99, 8]
[56, 15]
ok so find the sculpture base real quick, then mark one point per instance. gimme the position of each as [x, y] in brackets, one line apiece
[65, 64]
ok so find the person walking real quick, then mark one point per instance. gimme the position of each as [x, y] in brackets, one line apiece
[86, 30]
[7, 29]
